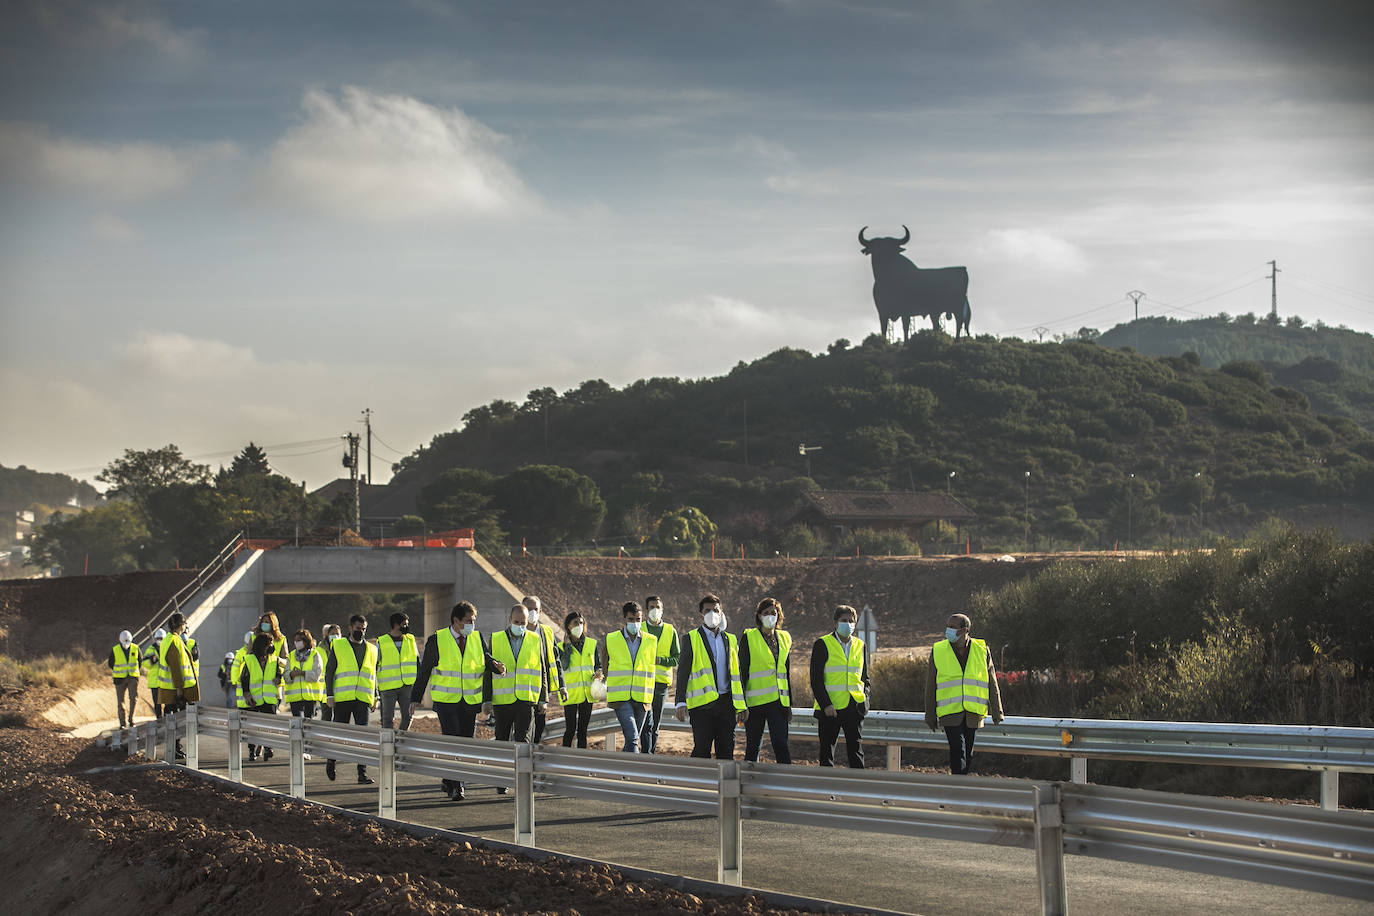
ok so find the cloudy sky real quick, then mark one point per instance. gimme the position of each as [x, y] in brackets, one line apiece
[250, 221]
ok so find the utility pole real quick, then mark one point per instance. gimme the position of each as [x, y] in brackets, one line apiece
[1027, 547]
[1041, 332]
[746, 432]
[1273, 279]
[367, 418]
[350, 461]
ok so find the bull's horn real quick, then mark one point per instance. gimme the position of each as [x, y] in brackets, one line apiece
[906, 238]
[863, 241]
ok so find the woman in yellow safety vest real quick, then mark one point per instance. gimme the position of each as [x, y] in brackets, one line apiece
[303, 684]
[577, 654]
[152, 673]
[269, 624]
[630, 662]
[839, 682]
[258, 679]
[765, 660]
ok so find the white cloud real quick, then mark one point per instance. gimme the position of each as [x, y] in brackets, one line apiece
[1037, 249]
[114, 171]
[392, 157]
[172, 355]
[111, 228]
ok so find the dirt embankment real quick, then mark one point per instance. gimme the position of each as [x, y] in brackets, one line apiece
[80, 613]
[81, 839]
[912, 597]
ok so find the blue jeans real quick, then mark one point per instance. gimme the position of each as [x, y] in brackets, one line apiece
[631, 716]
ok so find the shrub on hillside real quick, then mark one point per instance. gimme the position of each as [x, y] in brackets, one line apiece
[870, 543]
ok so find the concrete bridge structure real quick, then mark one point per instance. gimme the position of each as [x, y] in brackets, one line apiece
[223, 611]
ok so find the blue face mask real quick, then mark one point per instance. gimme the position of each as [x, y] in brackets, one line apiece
[951, 634]
[844, 628]
[517, 629]
[632, 628]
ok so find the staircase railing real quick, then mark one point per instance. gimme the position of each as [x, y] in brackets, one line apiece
[220, 565]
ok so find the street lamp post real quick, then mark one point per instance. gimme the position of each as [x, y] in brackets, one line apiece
[805, 451]
[948, 482]
[1130, 487]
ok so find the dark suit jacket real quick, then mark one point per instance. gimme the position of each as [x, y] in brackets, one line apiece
[685, 666]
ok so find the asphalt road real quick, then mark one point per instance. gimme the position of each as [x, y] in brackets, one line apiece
[923, 876]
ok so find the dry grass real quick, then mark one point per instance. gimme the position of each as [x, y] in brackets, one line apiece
[65, 672]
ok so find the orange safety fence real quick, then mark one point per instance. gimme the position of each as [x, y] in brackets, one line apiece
[461, 538]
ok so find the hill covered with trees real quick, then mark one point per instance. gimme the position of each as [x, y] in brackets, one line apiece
[1332, 367]
[1119, 446]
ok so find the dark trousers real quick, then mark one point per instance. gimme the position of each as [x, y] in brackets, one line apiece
[576, 717]
[774, 715]
[326, 713]
[354, 711]
[648, 735]
[157, 704]
[713, 725]
[850, 721]
[513, 720]
[459, 719]
[539, 721]
[960, 748]
[271, 710]
[304, 708]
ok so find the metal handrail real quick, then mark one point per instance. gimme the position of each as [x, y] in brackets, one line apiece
[174, 603]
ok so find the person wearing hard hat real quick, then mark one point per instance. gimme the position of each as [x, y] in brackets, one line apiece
[456, 667]
[226, 677]
[577, 657]
[961, 691]
[124, 663]
[151, 670]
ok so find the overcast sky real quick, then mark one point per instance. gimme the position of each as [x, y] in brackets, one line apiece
[223, 222]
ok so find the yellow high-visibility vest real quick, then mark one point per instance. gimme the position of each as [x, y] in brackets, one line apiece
[701, 682]
[458, 676]
[551, 656]
[151, 666]
[126, 661]
[523, 676]
[844, 671]
[397, 668]
[577, 677]
[298, 689]
[663, 673]
[960, 689]
[262, 682]
[628, 679]
[351, 680]
[767, 675]
[172, 642]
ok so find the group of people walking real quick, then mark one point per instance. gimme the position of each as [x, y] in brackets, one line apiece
[169, 664]
[722, 680]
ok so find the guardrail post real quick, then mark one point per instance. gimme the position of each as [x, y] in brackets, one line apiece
[1078, 770]
[1049, 851]
[610, 741]
[235, 745]
[192, 737]
[524, 794]
[297, 757]
[386, 772]
[729, 870]
[894, 756]
[150, 739]
[1331, 789]
[131, 739]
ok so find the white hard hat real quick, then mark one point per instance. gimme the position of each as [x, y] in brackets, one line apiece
[159, 633]
[125, 636]
[228, 656]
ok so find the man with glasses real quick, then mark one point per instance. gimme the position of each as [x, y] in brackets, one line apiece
[961, 691]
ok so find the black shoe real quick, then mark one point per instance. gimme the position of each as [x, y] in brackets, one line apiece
[460, 792]
[329, 770]
[365, 780]
[267, 753]
[502, 790]
[253, 755]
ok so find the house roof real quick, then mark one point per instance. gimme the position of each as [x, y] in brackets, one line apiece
[896, 505]
[379, 501]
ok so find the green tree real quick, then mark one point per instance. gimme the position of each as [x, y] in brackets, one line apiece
[461, 498]
[110, 537]
[139, 473]
[252, 460]
[685, 531]
[548, 504]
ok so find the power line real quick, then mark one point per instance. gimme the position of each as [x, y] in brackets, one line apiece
[1334, 286]
[382, 442]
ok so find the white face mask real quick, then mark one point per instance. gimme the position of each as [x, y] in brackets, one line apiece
[712, 619]
[533, 617]
[655, 614]
[466, 629]
[126, 642]
[576, 631]
[770, 621]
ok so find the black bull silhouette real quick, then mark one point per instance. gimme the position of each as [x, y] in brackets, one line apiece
[903, 290]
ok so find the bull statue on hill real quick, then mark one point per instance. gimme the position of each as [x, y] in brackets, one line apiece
[903, 290]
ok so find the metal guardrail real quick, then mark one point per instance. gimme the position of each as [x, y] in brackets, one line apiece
[1291, 845]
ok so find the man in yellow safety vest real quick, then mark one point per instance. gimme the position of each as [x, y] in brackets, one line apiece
[666, 662]
[350, 683]
[124, 664]
[397, 664]
[629, 661]
[534, 612]
[839, 682]
[961, 690]
[708, 685]
[525, 684]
